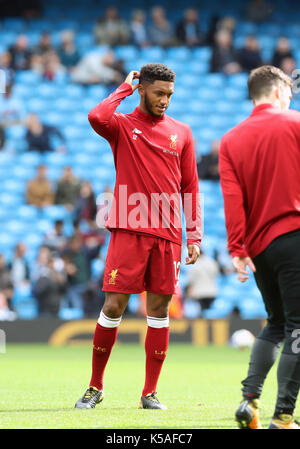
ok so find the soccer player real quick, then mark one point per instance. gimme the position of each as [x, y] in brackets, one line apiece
[155, 167]
[260, 180]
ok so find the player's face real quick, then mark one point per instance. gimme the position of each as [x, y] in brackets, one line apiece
[157, 97]
[285, 96]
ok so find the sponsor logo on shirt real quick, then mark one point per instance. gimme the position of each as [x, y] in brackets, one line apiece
[135, 134]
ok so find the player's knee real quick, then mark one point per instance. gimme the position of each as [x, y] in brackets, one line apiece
[115, 305]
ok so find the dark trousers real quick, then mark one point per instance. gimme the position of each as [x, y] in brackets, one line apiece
[278, 279]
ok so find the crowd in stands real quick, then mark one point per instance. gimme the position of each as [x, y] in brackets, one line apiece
[61, 274]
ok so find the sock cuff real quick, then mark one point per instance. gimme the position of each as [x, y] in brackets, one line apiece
[105, 321]
[157, 323]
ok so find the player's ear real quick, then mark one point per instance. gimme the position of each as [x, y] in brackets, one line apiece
[141, 90]
[276, 92]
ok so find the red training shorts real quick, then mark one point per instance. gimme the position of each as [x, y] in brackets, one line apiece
[141, 262]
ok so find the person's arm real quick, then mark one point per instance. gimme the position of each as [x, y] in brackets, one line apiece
[235, 216]
[102, 117]
[191, 198]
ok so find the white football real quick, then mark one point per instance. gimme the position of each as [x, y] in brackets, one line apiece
[242, 339]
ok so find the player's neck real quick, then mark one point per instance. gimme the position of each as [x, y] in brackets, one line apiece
[266, 100]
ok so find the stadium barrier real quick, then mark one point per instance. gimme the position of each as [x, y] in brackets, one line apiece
[58, 332]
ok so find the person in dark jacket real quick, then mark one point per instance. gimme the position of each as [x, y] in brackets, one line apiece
[188, 30]
[39, 136]
[249, 55]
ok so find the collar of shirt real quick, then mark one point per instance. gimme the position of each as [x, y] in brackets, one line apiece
[147, 117]
[262, 107]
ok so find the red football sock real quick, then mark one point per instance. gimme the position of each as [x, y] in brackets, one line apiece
[156, 345]
[104, 339]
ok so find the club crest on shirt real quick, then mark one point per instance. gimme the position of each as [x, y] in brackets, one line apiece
[173, 141]
[113, 275]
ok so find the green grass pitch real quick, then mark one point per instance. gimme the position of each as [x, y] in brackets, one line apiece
[40, 384]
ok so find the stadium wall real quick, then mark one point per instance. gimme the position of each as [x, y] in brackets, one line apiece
[57, 332]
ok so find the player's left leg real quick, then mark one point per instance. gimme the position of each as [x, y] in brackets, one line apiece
[156, 346]
[161, 279]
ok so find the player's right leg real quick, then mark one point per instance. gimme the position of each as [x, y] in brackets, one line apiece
[104, 339]
[265, 348]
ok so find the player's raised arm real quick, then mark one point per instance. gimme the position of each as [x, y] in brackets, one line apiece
[102, 118]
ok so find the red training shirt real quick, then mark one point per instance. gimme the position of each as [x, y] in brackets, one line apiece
[152, 156]
[260, 179]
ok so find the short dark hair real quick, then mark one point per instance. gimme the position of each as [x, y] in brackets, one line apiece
[262, 79]
[156, 71]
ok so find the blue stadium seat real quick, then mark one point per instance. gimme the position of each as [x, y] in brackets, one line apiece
[27, 310]
[97, 268]
[14, 186]
[30, 159]
[27, 212]
[9, 200]
[220, 308]
[179, 53]
[66, 313]
[252, 309]
[28, 78]
[23, 172]
[44, 225]
[55, 212]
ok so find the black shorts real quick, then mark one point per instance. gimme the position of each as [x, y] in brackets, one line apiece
[278, 279]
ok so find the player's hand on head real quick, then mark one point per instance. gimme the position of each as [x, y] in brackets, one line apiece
[193, 254]
[133, 75]
[240, 264]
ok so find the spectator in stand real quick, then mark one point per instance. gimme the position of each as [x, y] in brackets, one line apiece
[11, 112]
[20, 53]
[212, 29]
[95, 68]
[67, 51]
[6, 285]
[39, 136]
[160, 29]
[208, 166]
[11, 108]
[39, 191]
[188, 29]
[85, 206]
[249, 55]
[56, 239]
[201, 281]
[52, 66]
[78, 267]
[68, 188]
[19, 267]
[139, 32]
[224, 56]
[111, 29]
[5, 313]
[44, 45]
[258, 11]
[282, 50]
[288, 65]
[49, 284]
[7, 68]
